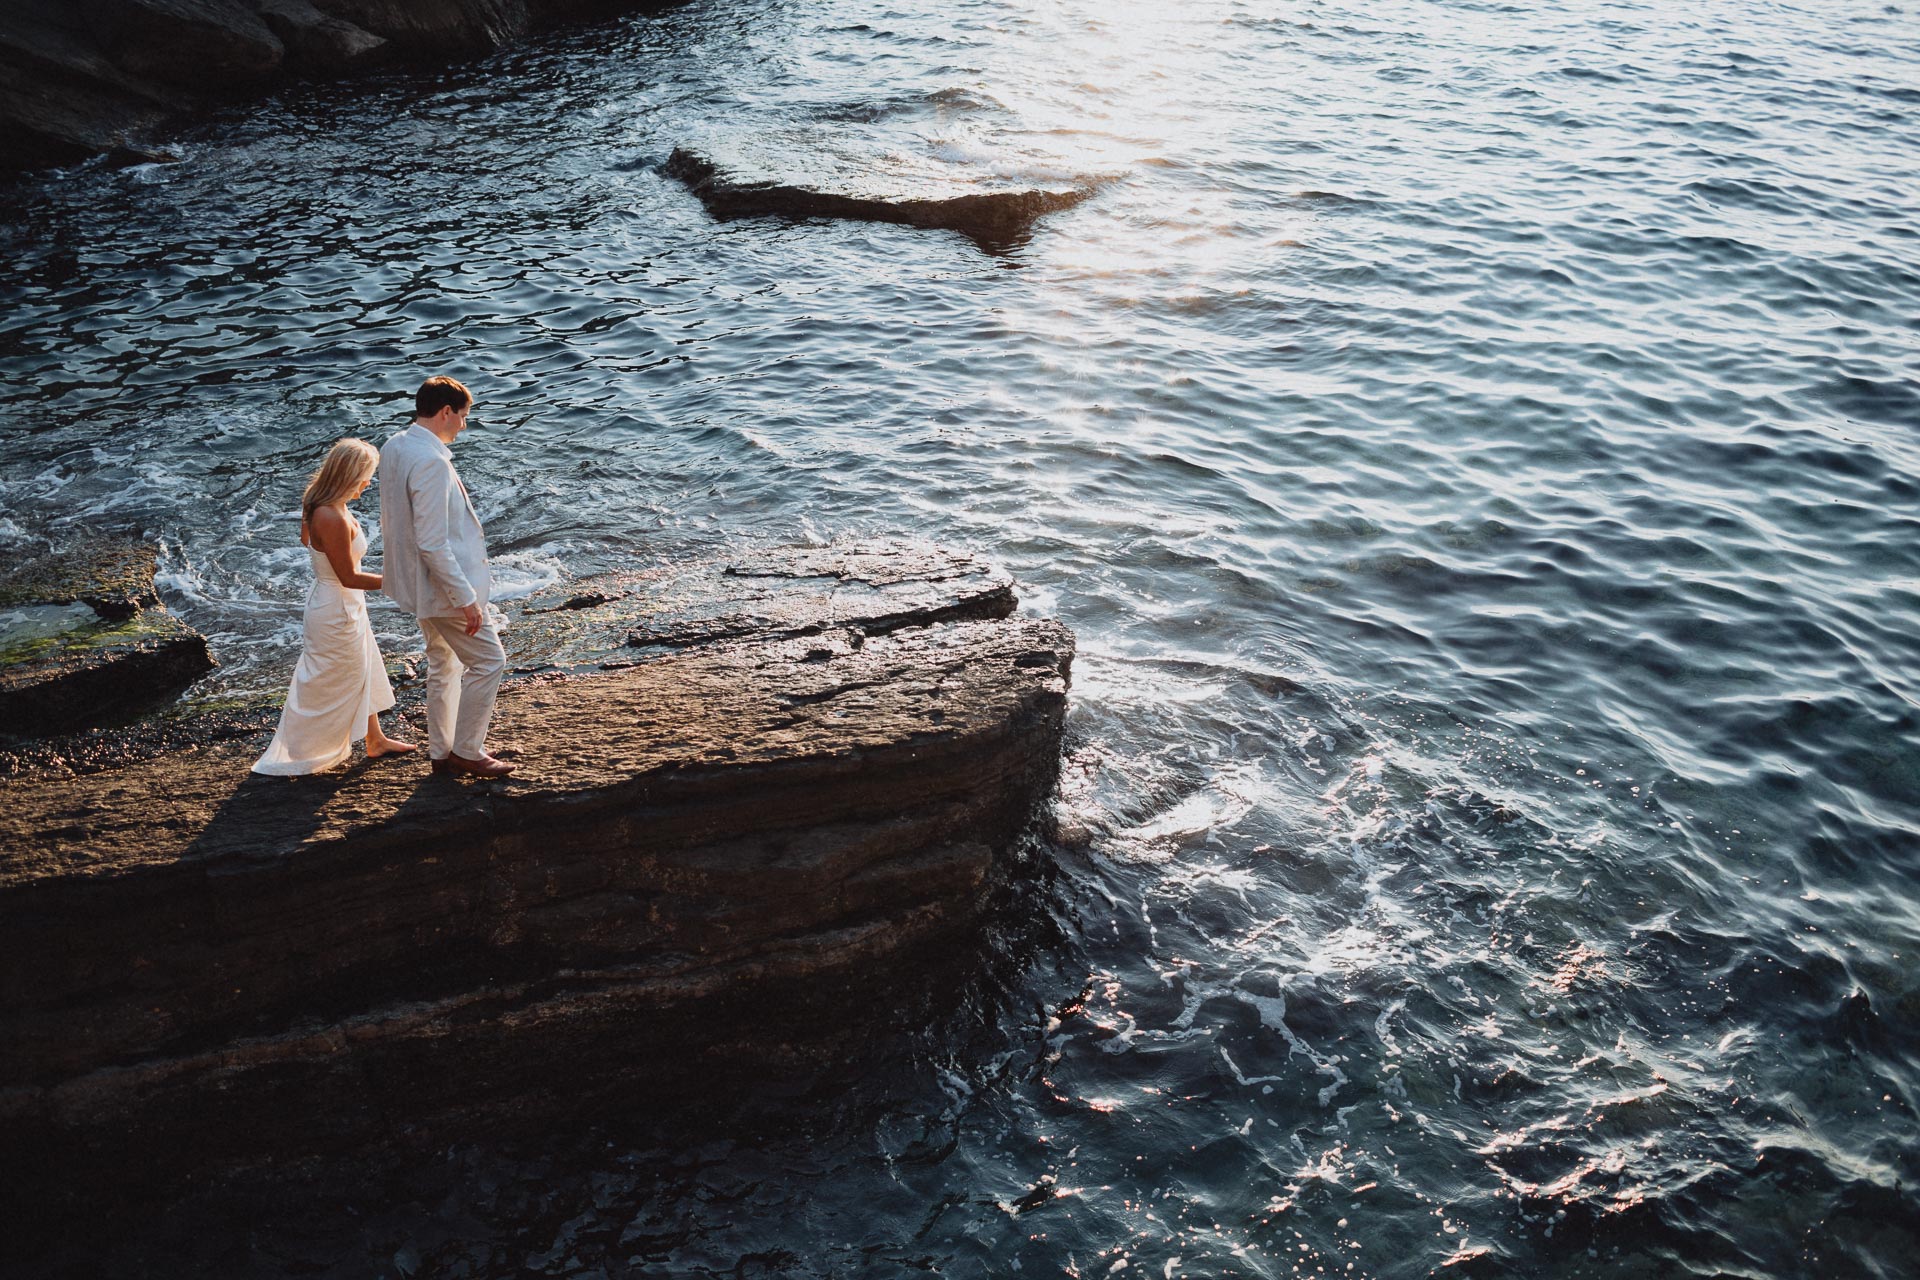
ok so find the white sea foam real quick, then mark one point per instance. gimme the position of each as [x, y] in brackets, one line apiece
[523, 573]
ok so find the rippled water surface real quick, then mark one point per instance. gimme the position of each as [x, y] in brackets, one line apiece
[1476, 445]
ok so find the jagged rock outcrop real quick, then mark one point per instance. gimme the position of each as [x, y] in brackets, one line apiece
[221, 44]
[84, 638]
[706, 851]
[61, 99]
[438, 28]
[82, 77]
[993, 213]
[319, 42]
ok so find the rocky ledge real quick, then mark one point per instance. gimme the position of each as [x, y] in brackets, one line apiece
[81, 77]
[818, 183]
[84, 638]
[762, 807]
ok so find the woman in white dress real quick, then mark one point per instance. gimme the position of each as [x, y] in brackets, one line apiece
[340, 685]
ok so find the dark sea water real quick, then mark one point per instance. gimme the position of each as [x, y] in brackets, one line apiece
[1478, 446]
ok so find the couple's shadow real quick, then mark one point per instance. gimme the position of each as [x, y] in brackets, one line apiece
[267, 817]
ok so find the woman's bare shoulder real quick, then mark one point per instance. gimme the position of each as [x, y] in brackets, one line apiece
[327, 523]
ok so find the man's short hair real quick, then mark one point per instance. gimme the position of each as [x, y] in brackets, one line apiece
[437, 393]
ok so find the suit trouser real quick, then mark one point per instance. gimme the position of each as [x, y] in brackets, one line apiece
[463, 675]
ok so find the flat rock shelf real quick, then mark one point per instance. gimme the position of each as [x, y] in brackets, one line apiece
[706, 851]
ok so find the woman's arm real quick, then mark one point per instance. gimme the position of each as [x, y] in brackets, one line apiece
[329, 531]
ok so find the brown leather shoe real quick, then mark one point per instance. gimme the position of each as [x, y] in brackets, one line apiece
[484, 767]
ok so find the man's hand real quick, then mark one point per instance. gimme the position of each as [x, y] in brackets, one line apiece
[474, 618]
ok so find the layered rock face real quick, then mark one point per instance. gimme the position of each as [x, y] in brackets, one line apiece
[79, 77]
[84, 638]
[711, 852]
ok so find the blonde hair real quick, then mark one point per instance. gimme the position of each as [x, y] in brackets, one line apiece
[348, 463]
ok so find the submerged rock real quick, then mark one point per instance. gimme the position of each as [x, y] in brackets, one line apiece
[83, 639]
[993, 212]
[708, 856]
[128, 157]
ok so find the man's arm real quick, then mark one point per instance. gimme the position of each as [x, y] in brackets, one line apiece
[431, 486]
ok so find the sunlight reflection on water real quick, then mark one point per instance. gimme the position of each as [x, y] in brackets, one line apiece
[1473, 443]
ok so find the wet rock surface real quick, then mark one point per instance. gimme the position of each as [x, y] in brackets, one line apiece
[741, 182]
[113, 575]
[83, 79]
[84, 638]
[705, 853]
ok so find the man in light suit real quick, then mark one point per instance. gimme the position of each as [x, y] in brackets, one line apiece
[434, 560]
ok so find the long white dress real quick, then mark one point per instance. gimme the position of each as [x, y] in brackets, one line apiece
[339, 681]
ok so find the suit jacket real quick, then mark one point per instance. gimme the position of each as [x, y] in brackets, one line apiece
[434, 553]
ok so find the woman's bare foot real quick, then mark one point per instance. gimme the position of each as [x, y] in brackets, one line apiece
[379, 744]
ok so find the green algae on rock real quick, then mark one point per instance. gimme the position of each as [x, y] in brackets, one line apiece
[84, 638]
